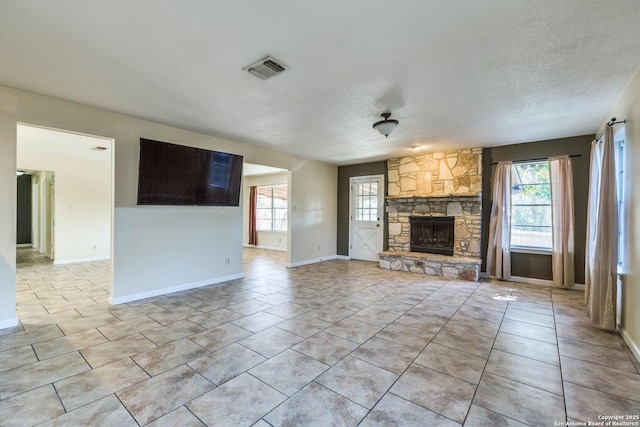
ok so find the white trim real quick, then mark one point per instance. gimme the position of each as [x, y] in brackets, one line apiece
[343, 257]
[74, 261]
[531, 250]
[9, 323]
[633, 346]
[171, 289]
[269, 248]
[544, 282]
[24, 245]
[312, 261]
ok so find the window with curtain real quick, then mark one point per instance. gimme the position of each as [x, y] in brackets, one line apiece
[271, 209]
[531, 206]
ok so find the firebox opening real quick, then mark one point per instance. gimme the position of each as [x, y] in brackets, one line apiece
[432, 235]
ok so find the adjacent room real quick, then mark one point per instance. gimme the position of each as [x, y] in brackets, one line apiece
[277, 213]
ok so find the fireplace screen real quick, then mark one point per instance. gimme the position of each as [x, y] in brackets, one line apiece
[432, 234]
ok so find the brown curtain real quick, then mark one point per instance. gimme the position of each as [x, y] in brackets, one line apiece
[499, 249]
[562, 220]
[253, 203]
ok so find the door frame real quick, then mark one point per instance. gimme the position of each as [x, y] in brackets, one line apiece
[381, 208]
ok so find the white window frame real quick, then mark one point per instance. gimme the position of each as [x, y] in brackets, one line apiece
[273, 209]
[536, 250]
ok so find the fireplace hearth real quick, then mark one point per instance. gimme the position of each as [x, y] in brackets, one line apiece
[434, 235]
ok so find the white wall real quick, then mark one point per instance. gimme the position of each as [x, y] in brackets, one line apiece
[314, 206]
[628, 107]
[266, 239]
[82, 205]
[8, 195]
[181, 235]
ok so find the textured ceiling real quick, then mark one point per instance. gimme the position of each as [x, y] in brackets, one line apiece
[456, 73]
[36, 141]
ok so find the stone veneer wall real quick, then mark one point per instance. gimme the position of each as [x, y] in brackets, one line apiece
[436, 184]
[466, 211]
[447, 183]
[436, 174]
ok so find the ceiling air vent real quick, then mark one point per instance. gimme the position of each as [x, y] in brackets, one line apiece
[266, 68]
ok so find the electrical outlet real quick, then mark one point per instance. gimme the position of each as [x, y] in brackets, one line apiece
[227, 261]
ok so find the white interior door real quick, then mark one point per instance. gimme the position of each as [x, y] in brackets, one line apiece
[367, 225]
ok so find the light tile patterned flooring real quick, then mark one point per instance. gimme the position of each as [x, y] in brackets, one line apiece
[335, 343]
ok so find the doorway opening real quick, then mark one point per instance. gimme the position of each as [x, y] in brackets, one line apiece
[65, 194]
[366, 225]
[266, 220]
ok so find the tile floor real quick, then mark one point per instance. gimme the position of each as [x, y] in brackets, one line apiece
[335, 343]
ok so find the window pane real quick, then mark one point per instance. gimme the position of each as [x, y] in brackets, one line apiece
[271, 212]
[531, 194]
[279, 203]
[263, 214]
[263, 219]
[531, 173]
[366, 201]
[374, 202]
[532, 237]
[279, 219]
[263, 202]
[264, 191]
[537, 215]
[531, 205]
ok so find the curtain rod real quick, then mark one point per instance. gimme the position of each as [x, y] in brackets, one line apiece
[610, 123]
[534, 160]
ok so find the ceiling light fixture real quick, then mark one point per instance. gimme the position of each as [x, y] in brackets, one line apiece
[19, 172]
[386, 126]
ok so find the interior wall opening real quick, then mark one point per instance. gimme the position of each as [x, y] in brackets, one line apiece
[67, 214]
[265, 220]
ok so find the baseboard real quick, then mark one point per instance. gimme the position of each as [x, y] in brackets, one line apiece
[75, 261]
[633, 346]
[268, 248]
[531, 281]
[9, 323]
[312, 261]
[171, 289]
[543, 282]
[24, 245]
[344, 257]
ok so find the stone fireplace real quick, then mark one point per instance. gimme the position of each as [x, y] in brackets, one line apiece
[434, 214]
[431, 234]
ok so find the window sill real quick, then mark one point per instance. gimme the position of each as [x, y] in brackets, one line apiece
[530, 250]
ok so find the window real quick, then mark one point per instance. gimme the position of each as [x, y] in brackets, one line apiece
[531, 205]
[271, 209]
[366, 199]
